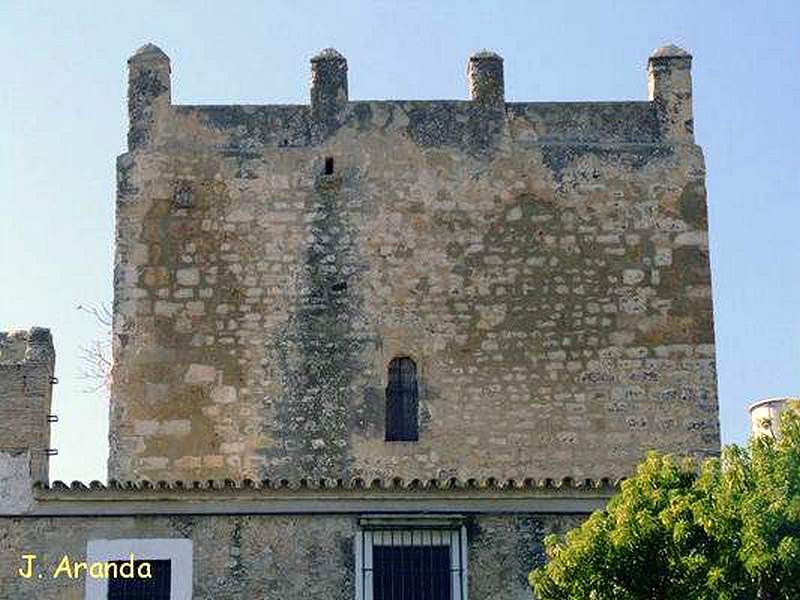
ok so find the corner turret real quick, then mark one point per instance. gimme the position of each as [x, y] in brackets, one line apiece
[149, 92]
[670, 87]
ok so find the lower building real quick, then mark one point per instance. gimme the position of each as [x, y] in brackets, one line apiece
[437, 540]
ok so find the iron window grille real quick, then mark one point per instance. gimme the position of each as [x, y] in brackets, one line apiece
[425, 562]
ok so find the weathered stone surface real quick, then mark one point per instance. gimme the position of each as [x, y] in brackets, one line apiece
[503, 550]
[15, 481]
[234, 557]
[545, 265]
[27, 361]
[267, 556]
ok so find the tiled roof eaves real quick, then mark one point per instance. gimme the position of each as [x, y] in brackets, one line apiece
[77, 488]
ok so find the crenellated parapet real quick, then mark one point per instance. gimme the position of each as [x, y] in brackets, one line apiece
[665, 118]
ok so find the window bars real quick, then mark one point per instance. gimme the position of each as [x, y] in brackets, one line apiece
[417, 563]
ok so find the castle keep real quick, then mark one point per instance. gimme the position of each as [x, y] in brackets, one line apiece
[544, 266]
[354, 333]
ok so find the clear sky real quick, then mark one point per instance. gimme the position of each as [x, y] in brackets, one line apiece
[63, 121]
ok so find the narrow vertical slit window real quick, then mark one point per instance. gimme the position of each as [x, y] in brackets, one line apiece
[329, 165]
[402, 405]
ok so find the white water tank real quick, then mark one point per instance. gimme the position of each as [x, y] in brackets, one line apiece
[765, 415]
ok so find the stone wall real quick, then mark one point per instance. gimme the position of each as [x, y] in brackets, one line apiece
[545, 265]
[15, 481]
[27, 361]
[291, 557]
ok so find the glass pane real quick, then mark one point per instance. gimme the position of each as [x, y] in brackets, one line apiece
[411, 572]
[401, 401]
[155, 588]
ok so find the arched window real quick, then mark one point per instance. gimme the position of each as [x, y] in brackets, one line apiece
[401, 401]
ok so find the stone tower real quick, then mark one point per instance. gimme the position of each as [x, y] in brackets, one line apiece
[470, 288]
[27, 361]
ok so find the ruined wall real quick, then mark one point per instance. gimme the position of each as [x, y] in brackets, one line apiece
[545, 265]
[256, 556]
[27, 362]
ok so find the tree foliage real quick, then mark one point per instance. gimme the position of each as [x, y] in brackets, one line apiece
[727, 529]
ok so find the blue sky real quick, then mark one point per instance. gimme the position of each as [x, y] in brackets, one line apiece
[63, 122]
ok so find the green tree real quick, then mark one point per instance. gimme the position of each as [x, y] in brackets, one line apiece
[728, 529]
